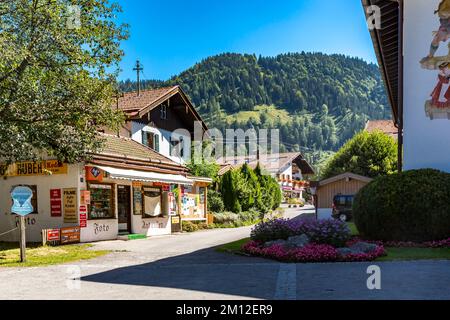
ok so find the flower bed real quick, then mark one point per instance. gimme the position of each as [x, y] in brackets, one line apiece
[312, 253]
[326, 241]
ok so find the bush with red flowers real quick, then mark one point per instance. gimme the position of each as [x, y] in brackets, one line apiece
[312, 253]
[310, 241]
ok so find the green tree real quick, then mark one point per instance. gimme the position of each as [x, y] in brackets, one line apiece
[252, 197]
[367, 154]
[204, 169]
[56, 83]
[229, 191]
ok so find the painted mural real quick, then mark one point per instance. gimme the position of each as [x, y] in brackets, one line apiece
[438, 106]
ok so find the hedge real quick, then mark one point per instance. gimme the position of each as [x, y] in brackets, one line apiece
[409, 206]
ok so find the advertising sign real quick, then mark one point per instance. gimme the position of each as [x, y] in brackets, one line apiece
[94, 174]
[40, 168]
[56, 202]
[85, 197]
[53, 235]
[70, 235]
[70, 205]
[83, 216]
[21, 197]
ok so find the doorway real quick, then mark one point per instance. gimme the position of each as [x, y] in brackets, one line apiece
[124, 208]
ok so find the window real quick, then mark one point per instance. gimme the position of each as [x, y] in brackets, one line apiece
[152, 202]
[176, 148]
[151, 140]
[34, 200]
[163, 112]
[102, 201]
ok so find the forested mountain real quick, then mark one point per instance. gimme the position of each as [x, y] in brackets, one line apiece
[317, 101]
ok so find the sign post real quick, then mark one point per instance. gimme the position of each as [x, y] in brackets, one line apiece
[21, 197]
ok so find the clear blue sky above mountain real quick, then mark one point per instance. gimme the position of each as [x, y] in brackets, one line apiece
[171, 36]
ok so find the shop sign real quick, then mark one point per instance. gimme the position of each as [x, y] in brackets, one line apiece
[175, 220]
[70, 205]
[39, 168]
[70, 235]
[85, 197]
[53, 235]
[83, 216]
[137, 201]
[56, 203]
[21, 197]
[94, 174]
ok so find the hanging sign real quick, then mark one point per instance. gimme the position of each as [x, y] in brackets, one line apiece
[94, 174]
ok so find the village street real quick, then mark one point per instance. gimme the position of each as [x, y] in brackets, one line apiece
[186, 267]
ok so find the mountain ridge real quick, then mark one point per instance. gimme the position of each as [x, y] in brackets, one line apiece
[328, 97]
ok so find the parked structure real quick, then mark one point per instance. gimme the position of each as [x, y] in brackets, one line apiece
[324, 191]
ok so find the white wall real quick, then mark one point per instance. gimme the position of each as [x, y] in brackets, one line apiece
[164, 143]
[426, 142]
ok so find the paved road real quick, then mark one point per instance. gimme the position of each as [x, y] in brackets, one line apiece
[187, 267]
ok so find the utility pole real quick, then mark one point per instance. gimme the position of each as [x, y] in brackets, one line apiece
[138, 70]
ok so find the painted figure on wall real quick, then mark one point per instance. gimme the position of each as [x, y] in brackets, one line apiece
[440, 97]
[438, 107]
[443, 34]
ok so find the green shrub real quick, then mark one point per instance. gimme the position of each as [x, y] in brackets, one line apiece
[249, 216]
[225, 217]
[367, 154]
[189, 226]
[215, 202]
[410, 206]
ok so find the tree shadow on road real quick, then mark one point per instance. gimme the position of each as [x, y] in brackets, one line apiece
[204, 270]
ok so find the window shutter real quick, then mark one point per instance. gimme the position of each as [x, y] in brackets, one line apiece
[156, 142]
[144, 139]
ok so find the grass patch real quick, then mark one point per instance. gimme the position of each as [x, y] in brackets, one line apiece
[353, 229]
[38, 256]
[233, 247]
[410, 254]
[271, 111]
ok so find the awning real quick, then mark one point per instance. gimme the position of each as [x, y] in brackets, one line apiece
[144, 176]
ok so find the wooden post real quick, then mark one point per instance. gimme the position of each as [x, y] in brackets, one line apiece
[23, 241]
[206, 204]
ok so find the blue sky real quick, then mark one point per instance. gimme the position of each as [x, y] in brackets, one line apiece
[171, 36]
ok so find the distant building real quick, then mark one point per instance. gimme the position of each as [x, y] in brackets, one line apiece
[291, 170]
[385, 126]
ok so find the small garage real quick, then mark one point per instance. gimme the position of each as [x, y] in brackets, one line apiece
[347, 184]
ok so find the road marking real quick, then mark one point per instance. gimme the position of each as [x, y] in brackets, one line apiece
[287, 282]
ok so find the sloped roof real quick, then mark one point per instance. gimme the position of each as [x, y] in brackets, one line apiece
[136, 106]
[386, 126]
[347, 175]
[133, 102]
[272, 162]
[126, 153]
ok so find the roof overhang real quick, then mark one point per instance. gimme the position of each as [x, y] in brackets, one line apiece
[344, 176]
[387, 44]
[144, 176]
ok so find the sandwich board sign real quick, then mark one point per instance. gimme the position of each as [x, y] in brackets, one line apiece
[21, 197]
